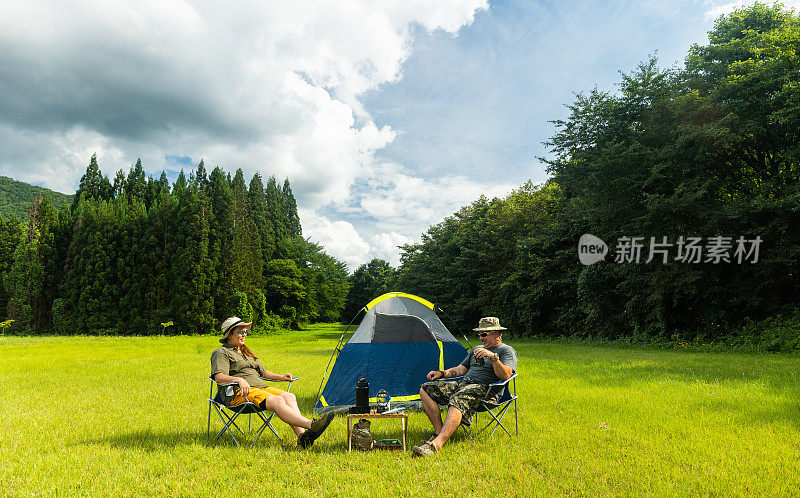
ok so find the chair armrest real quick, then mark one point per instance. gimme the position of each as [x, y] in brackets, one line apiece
[504, 382]
[280, 380]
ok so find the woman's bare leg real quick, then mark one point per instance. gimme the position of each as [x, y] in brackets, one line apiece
[289, 414]
[291, 402]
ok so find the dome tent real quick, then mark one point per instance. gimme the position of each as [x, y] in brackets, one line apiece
[399, 340]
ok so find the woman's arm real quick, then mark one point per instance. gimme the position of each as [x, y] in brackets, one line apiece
[222, 378]
[273, 376]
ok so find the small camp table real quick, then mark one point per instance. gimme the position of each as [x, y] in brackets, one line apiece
[375, 415]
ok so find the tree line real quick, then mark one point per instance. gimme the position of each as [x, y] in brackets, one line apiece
[140, 256]
[709, 152]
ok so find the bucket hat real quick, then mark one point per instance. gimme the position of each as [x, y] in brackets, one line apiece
[489, 323]
[231, 323]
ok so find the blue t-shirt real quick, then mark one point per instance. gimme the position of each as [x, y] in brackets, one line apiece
[484, 374]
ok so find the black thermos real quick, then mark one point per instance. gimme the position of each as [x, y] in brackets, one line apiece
[362, 393]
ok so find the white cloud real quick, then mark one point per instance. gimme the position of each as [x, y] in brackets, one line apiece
[408, 204]
[394, 208]
[717, 10]
[339, 238]
[385, 246]
[269, 87]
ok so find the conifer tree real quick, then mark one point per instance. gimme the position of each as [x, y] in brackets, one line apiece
[259, 212]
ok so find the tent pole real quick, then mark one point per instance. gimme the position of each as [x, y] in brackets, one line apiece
[456, 324]
[322, 380]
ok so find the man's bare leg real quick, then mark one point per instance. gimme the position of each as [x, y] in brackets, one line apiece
[451, 423]
[431, 410]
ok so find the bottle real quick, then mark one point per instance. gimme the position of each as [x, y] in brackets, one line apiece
[362, 394]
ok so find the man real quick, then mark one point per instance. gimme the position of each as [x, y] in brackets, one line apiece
[235, 362]
[492, 362]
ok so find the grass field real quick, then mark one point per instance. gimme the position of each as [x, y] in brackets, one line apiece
[127, 416]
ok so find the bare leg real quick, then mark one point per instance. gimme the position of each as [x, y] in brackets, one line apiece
[290, 415]
[291, 402]
[431, 410]
[451, 423]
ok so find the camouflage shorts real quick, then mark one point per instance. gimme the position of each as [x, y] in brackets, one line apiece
[465, 397]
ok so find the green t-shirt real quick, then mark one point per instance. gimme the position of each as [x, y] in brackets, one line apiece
[228, 360]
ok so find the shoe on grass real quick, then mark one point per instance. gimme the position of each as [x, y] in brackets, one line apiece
[426, 449]
[318, 425]
[305, 440]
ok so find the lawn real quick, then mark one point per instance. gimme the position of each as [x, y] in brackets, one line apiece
[127, 416]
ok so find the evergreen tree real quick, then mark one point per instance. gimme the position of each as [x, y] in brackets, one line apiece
[11, 232]
[259, 212]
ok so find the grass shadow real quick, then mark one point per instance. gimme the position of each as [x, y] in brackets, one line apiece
[161, 441]
[148, 439]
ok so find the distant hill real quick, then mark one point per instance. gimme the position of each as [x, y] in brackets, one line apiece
[16, 197]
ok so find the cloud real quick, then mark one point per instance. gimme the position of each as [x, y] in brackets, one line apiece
[269, 87]
[339, 238]
[384, 246]
[717, 10]
[397, 201]
[389, 208]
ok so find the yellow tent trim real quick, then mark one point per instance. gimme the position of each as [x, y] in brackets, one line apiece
[441, 355]
[398, 294]
[398, 398]
[374, 400]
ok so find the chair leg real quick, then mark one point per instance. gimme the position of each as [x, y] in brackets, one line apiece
[226, 426]
[264, 425]
[208, 427]
[466, 431]
[498, 420]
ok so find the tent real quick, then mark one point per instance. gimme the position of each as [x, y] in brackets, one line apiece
[399, 340]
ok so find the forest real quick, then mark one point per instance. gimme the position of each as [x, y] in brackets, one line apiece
[703, 157]
[709, 152]
[139, 256]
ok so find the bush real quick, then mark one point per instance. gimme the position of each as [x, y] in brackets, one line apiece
[774, 334]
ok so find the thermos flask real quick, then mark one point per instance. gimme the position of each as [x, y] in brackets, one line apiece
[362, 394]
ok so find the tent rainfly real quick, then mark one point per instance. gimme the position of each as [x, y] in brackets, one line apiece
[400, 339]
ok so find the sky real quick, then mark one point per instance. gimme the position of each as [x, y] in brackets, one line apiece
[386, 117]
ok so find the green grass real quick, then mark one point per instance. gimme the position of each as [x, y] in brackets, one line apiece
[127, 416]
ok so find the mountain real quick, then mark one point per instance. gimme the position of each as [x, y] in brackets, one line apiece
[16, 197]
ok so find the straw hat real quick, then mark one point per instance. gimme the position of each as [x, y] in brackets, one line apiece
[489, 323]
[230, 324]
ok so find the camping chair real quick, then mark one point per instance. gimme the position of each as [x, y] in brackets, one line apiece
[247, 408]
[496, 409]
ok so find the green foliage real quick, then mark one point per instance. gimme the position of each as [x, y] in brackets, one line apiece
[711, 149]
[240, 306]
[125, 259]
[369, 281]
[17, 197]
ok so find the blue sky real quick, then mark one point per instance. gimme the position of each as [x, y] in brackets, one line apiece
[385, 116]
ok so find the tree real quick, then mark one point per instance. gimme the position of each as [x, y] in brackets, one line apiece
[369, 281]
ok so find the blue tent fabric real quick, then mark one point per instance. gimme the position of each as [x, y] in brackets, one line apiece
[399, 340]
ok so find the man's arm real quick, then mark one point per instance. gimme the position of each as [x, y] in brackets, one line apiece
[456, 371]
[504, 372]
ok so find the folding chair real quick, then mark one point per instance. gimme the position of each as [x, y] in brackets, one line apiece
[247, 408]
[496, 409]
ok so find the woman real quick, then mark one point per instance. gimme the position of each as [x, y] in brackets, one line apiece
[235, 362]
